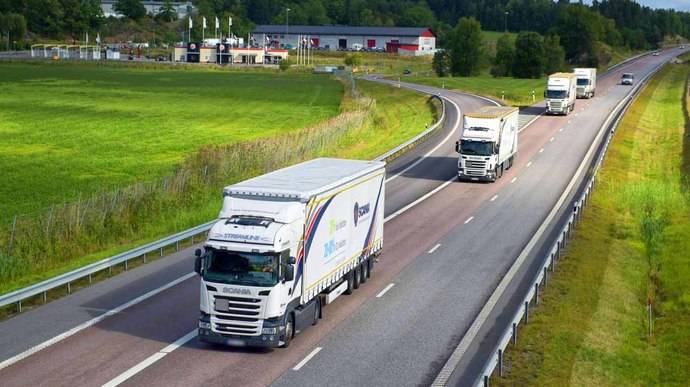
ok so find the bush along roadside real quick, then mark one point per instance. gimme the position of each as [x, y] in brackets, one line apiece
[67, 237]
[617, 312]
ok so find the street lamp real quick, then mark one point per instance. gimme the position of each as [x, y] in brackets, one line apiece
[505, 21]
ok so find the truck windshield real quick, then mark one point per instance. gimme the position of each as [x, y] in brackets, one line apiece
[555, 94]
[239, 268]
[582, 81]
[476, 148]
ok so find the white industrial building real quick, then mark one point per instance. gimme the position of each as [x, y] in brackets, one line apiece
[402, 40]
[183, 8]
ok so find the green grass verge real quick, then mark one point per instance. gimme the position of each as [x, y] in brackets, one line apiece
[632, 245]
[514, 91]
[100, 226]
[72, 130]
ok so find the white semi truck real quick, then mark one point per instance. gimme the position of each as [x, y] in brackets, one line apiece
[489, 143]
[586, 82]
[560, 93]
[286, 244]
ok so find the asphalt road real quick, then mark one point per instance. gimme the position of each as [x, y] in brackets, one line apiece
[444, 257]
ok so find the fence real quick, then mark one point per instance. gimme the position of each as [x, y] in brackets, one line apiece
[569, 221]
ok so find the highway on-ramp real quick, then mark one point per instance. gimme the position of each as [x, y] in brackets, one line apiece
[442, 260]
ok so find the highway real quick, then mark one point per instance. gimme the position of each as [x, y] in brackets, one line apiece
[442, 260]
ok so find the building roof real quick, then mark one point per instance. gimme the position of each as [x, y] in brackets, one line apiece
[342, 30]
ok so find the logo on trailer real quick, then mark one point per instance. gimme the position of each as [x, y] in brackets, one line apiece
[360, 211]
[222, 47]
[192, 46]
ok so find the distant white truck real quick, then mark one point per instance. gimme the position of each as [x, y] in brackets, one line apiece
[586, 82]
[560, 93]
[286, 244]
[489, 143]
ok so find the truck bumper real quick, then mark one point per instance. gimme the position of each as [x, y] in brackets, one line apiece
[266, 341]
[490, 176]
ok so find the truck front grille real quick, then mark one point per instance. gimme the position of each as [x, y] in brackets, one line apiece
[475, 167]
[555, 105]
[237, 315]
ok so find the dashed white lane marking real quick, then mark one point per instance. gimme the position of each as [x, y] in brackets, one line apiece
[529, 164]
[513, 180]
[469, 219]
[551, 139]
[387, 288]
[541, 150]
[306, 359]
[560, 130]
[93, 321]
[493, 198]
[434, 248]
[151, 359]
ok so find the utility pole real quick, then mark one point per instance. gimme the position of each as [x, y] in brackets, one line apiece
[287, 24]
[505, 22]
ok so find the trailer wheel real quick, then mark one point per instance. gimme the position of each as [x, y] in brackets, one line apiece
[289, 331]
[363, 270]
[356, 277]
[317, 311]
[350, 283]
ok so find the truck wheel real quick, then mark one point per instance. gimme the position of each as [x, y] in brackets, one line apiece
[350, 283]
[370, 266]
[289, 331]
[363, 269]
[356, 276]
[317, 311]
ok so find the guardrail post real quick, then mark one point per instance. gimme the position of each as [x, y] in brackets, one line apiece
[536, 293]
[546, 276]
[45, 297]
[514, 334]
[177, 246]
[19, 306]
[69, 288]
[486, 380]
[90, 278]
[110, 270]
[126, 264]
[161, 254]
[144, 257]
[192, 239]
[526, 312]
[500, 363]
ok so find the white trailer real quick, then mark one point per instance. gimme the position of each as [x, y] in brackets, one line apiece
[489, 143]
[287, 243]
[586, 82]
[560, 93]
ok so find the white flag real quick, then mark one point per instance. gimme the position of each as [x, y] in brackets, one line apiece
[190, 22]
[230, 21]
[217, 23]
[98, 38]
[203, 20]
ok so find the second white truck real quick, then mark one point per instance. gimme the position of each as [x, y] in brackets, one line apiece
[586, 82]
[560, 93]
[489, 143]
[286, 244]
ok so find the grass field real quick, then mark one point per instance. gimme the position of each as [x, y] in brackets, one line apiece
[517, 92]
[185, 180]
[74, 130]
[591, 328]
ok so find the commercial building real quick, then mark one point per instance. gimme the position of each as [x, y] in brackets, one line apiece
[402, 40]
[226, 54]
[183, 8]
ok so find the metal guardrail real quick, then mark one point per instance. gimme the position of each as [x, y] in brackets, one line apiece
[495, 362]
[397, 151]
[66, 279]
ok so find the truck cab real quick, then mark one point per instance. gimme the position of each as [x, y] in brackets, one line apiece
[560, 93]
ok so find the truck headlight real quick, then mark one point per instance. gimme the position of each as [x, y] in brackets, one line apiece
[269, 331]
[204, 325]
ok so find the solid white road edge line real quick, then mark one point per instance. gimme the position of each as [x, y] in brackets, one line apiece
[529, 164]
[469, 219]
[306, 359]
[493, 198]
[151, 360]
[386, 289]
[458, 353]
[434, 248]
[93, 321]
[434, 149]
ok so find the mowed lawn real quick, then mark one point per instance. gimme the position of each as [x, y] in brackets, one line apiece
[71, 130]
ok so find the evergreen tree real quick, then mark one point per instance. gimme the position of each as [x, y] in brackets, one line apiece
[167, 12]
[529, 55]
[441, 63]
[132, 9]
[466, 47]
[554, 54]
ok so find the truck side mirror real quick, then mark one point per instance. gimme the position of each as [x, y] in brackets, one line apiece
[457, 146]
[291, 260]
[289, 273]
[197, 253]
[197, 265]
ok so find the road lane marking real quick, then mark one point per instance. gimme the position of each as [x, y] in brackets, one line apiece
[513, 180]
[469, 219]
[306, 359]
[493, 198]
[529, 164]
[551, 139]
[93, 321]
[541, 150]
[151, 360]
[560, 130]
[386, 289]
[434, 248]
[421, 199]
[439, 145]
